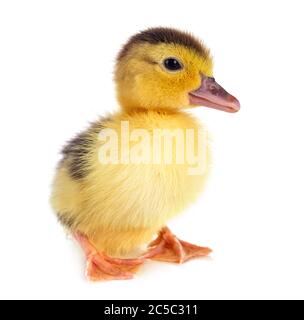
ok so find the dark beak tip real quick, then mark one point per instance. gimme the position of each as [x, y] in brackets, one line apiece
[235, 104]
[236, 107]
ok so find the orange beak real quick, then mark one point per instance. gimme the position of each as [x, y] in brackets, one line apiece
[211, 94]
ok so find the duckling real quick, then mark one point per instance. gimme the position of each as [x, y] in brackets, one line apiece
[114, 207]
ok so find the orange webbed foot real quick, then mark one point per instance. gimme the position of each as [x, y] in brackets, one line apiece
[166, 247]
[102, 267]
[171, 249]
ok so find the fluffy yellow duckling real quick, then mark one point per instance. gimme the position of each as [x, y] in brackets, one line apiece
[114, 190]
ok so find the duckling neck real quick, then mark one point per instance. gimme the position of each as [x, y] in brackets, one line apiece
[160, 118]
[161, 111]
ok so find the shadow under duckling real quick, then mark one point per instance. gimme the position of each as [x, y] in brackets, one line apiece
[114, 206]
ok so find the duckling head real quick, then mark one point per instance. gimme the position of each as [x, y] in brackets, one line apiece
[164, 68]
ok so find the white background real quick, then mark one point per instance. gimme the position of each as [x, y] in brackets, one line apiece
[56, 62]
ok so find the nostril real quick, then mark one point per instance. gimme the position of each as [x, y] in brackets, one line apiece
[214, 90]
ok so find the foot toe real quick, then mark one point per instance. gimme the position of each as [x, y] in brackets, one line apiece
[100, 272]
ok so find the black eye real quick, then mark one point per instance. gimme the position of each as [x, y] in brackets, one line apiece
[172, 64]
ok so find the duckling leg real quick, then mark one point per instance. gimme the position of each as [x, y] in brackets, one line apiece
[102, 267]
[171, 249]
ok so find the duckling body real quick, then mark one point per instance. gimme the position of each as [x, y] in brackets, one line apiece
[147, 195]
[117, 185]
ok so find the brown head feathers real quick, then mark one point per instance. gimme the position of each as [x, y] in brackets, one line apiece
[164, 35]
